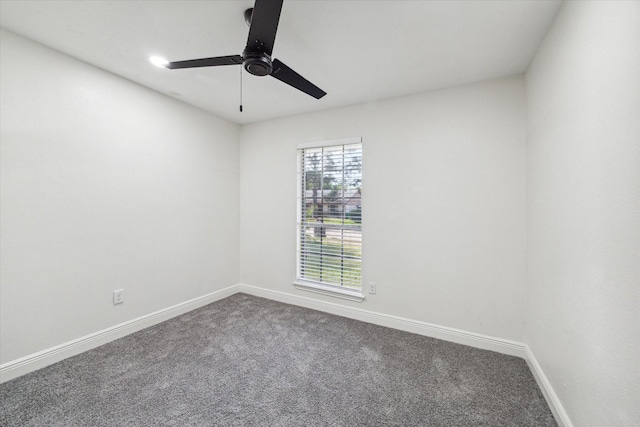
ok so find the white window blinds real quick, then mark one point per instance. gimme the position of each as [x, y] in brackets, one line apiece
[330, 215]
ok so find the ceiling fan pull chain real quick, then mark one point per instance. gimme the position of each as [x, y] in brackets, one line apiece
[241, 89]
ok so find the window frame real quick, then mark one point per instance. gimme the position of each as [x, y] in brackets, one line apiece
[305, 283]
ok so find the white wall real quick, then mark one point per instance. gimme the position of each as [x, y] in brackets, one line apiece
[105, 185]
[443, 203]
[583, 210]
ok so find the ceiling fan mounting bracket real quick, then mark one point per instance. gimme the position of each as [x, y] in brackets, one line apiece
[248, 14]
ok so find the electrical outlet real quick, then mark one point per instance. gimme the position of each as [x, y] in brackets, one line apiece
[372, 287]
[118, 296]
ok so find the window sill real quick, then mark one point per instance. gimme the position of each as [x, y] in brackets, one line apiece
[333, 291]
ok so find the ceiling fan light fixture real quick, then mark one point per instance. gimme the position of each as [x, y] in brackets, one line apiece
[158, 61]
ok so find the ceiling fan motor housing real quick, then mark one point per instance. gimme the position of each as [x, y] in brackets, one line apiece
[257, 63]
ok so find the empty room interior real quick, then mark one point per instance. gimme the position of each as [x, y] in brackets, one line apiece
[293, 213]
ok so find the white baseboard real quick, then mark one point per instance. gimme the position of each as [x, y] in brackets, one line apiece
[57, 353]
[547, 390]
[485, 342]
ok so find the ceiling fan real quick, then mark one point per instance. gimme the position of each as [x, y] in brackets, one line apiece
[263, 23]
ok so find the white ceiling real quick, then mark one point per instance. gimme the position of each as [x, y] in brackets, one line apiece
[357, 51]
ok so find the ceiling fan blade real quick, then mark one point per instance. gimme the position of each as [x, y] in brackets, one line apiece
[290, 77]
[264, 24]
[206, 62]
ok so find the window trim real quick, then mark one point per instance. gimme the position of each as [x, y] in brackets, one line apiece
[326, 289]
[317, 144]
[310, 285]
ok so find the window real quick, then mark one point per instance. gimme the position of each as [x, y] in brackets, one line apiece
[329, 218]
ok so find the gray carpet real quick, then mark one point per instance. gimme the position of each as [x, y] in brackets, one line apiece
[248, 361]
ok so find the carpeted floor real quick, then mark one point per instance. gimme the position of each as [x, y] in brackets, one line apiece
[248, 361]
